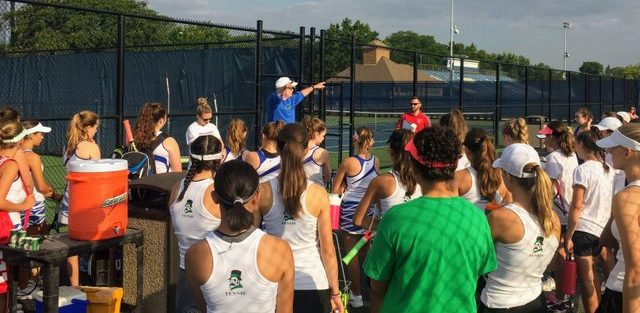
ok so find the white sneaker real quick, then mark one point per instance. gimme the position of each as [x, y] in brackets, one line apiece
[355, 301]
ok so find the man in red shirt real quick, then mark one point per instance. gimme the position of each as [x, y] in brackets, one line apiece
[414, 120]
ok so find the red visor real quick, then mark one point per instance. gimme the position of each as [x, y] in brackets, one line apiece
[411, 148]
[545, 131]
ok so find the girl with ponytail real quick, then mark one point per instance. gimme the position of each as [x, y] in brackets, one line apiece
[560, 164]
[480, 183]
[202, 125]
[395, 187]
[351, 181]
[316, 161]
[526, 234]
[266, 160]
[238, 267]
[455, 121]
[80, 146]
[515, 131]
[584, 118]
[589, 213]
[297, 210]
[193, 211]
[149, 138]
[236, 140]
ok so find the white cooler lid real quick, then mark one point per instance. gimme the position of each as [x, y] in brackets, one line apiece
[66, 294]
[97, 166]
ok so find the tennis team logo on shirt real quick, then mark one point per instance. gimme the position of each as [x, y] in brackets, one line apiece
[188, 209]
[235, 280]
[288, 218]
[537, 246]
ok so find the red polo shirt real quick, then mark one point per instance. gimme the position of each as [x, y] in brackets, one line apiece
[421, 120]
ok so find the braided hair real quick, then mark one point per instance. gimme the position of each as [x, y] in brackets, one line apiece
[203, 145]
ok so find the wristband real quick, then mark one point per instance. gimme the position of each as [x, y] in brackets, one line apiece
[313, 88]
[336, 295]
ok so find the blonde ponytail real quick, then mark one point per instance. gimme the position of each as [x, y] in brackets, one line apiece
[77, 130]
[517, 130]
[542, 198]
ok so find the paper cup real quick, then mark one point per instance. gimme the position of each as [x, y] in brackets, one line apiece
[334, 207]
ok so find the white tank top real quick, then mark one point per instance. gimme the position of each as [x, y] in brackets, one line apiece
[357, 184]
[161, 157]
[38, 195]
[474, 196]
[17, 195]
[463, 162]
[191, 220]
[518, 279]
[398, 196]
[236, 284]
[302, 234]
[231, 156]
[313, 169]
[269, 167]
[616, 277]
[66, 159]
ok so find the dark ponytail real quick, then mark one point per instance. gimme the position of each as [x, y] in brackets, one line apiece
[564, 136]
[588, 140]
[402, 164]
[203, 145]
[236, 184]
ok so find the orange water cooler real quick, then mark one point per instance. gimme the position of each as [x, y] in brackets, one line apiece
[97, 198]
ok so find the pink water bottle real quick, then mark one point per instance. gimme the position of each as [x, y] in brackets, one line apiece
[569, 272]
[334, 209]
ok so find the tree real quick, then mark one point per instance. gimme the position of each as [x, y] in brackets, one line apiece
[614, 71]
[592, 68]
[412, 41]
[338, 54]
[46, 28]
[632, 71]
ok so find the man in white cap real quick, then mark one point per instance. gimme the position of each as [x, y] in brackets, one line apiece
[281, 105]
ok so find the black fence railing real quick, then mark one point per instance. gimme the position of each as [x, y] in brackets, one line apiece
[145, 57]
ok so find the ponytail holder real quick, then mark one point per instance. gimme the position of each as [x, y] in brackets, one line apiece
[16, 138]
[206, 157]
[356, 137]
[238, 200]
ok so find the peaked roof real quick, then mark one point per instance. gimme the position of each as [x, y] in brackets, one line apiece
[383, 71]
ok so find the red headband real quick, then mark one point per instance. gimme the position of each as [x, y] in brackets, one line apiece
[413, 151]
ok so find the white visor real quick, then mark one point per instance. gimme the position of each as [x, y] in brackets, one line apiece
[618, 139]
[38, 129]
[17, 138]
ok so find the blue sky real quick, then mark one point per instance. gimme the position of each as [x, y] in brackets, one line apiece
[603, 31]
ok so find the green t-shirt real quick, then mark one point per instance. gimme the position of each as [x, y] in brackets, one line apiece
[431, 252]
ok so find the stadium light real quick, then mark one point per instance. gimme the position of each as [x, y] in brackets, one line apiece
[565, 56]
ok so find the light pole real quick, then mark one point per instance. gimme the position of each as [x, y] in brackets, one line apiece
[451, 28]
[565, 26]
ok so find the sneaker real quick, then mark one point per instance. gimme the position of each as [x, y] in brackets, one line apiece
[548, 284]
[355, 301]
[562, 306]
[25, 293]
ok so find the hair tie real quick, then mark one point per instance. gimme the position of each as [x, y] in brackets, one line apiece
[238, 200]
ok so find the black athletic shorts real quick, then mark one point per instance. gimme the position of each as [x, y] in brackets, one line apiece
[536, 306]
[611, 302]
[311, 301]
[585, 244]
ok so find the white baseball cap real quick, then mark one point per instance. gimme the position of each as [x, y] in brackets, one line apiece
[625, 116]
[515, 157]
[283, 81]
[618, 139]
[609, 123]
[38, 129]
